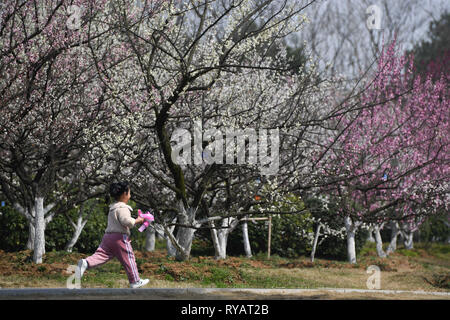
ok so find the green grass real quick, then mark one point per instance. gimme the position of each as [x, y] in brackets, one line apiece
[408, 253]
[368, 249]
[220, 277]
[257, 279]
[423, 268]
[441, 251]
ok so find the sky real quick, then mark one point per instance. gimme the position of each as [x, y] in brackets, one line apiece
[338, 33]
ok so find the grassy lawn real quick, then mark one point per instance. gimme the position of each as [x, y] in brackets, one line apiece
[423, 268]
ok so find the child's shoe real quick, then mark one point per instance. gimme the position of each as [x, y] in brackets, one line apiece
[81, 268]
[139, 284]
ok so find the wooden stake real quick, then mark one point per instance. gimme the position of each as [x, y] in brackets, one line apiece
[270, 236]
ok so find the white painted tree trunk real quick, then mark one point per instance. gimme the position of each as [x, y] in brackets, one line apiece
[215, 240]
[316, 239]
[31, 236]
[185, 235]
[379, 241]
[351, 233]
[223, 239]
[79, 226]
[407, 232]
[37, 222]
[247, 247]
[39, 240]
[370, 238]
[171, 250]
[76, 234]
[150, 239]
[73, 240]
[408, 240]
[394, 234]
[219, 238]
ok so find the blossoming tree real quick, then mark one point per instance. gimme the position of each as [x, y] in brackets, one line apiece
[50, 97]
[392, 152]
[203, 62]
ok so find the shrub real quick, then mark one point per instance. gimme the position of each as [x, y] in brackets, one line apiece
[14, 230]
[336, 248]
[290, 236]
[333, 247]
[434, 229]
[59, 231]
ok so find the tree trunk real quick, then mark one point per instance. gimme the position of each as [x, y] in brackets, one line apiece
[379, 241]
[185, 235]
[184, 239]
[76, 234]
[37, 222]
[218, 248]
[220, 236]
[394, 234]
[150, 239]
[73, 240]
[171, 250]
[247, 248]
[223, 238]
[408, 240]
[351, 232]
[370, 238]
[39, 240]
[79, 226]
[316, 239]
[31, 236]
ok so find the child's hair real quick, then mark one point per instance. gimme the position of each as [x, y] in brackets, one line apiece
[117, 189]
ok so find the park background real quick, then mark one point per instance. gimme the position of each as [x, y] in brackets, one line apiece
[90, 97]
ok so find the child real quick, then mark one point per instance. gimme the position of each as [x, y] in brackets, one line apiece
[116, 241]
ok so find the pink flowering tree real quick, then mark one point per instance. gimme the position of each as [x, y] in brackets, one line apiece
[389, 160]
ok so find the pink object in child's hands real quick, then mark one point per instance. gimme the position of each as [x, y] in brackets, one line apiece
[148, 218]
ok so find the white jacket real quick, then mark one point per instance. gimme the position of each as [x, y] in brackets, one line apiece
[119, 218]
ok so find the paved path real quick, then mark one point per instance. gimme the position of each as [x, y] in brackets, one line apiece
[213, 294]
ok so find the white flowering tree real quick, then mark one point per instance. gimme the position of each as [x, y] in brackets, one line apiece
[50, 96]
[214, 65]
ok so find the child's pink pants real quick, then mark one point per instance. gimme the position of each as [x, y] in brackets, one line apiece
[116, 245]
